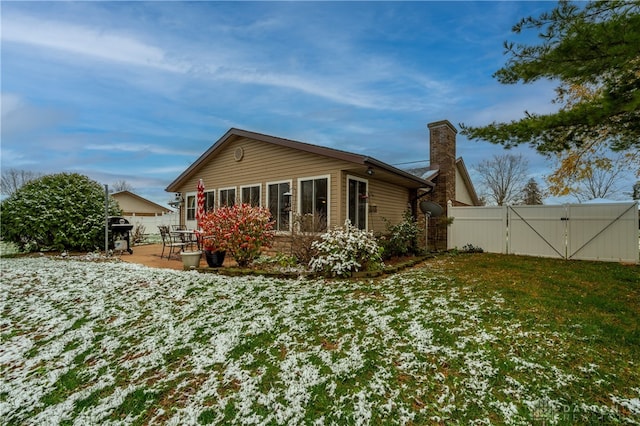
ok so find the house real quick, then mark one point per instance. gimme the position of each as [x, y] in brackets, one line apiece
[134, 205]
[144, 214]
[297, 178]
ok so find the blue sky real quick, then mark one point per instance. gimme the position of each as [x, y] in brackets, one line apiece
[137, 91]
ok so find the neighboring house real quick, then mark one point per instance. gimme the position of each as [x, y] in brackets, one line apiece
[143, 212]
[134, 205]
[291, 177]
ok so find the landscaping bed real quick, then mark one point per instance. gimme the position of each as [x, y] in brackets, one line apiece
[276, 271]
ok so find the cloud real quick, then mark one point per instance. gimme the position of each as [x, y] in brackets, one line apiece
[17, 159]
[145, 148]
[363, 81]
[81, 40]
[505, 103]
[19, 117]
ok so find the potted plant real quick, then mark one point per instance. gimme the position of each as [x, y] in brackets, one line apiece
[213, 252]
[212, 239]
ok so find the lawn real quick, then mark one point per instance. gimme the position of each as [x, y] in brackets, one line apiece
[467, 339]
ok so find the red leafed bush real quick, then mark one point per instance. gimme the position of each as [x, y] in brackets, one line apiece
[241, 230]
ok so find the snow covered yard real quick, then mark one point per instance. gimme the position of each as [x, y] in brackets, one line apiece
[113, 343]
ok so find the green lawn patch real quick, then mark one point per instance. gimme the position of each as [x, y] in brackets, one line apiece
[473, 338]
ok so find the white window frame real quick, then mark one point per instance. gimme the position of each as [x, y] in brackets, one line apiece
[278, 182]
[215, 196]
[311, 178]
[366, 210]
[190, 223]
[259, 185]
[219, 200]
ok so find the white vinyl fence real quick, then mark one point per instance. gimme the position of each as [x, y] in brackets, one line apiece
[151, 223]
[606, 232]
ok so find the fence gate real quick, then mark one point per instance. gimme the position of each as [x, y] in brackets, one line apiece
[537, 231]
[603, 232]
[607, 232]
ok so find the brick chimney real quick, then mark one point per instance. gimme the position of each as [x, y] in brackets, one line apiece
[442, 156]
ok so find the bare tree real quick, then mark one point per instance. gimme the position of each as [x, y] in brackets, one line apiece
[121, 185]
[531, 193]
[13, 179]
[503, 178]
[602, 180]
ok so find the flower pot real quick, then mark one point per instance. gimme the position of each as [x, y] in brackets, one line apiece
[191, 259]
[215, 259]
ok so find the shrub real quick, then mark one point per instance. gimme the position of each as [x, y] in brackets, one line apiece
[401, 239]
[56, 212]
[470, 248]
[307, 229]
[242, 230]
[138, 234]
[344, 250]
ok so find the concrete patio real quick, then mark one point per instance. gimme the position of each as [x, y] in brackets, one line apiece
[149, 255]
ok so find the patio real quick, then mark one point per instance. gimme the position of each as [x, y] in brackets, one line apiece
[149, 255]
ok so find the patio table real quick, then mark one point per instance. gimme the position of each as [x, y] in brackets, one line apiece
[188, 236]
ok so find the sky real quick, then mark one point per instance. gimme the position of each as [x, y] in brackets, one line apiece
[137, 91]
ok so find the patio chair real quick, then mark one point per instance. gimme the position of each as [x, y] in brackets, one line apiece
[169, 240]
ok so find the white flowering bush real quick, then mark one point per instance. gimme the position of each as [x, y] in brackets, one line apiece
[346, 249]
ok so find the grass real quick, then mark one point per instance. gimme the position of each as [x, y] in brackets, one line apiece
[474, 338]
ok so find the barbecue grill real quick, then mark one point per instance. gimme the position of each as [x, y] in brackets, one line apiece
[119, 229]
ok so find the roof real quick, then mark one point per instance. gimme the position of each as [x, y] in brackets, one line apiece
[429, 174]
[357, 159]
[144, 200]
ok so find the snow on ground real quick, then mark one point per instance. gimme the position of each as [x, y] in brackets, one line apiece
[116, 343]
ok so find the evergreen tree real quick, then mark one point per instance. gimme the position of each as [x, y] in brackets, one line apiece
[593, 50]
[635, 194]
[531, 194]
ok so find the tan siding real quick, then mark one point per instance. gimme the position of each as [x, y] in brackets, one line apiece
[135, 205]
[462, 192]
[390, 200]
[263, 162]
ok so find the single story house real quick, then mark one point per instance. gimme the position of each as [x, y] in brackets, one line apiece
[144, 214]
[297, 178]
[134, 205]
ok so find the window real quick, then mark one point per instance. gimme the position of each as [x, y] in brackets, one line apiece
[191, 207]
[279, 195]
[250, 195]
[314, 201]
[227, 197]
[209, 201]
[357, 202]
